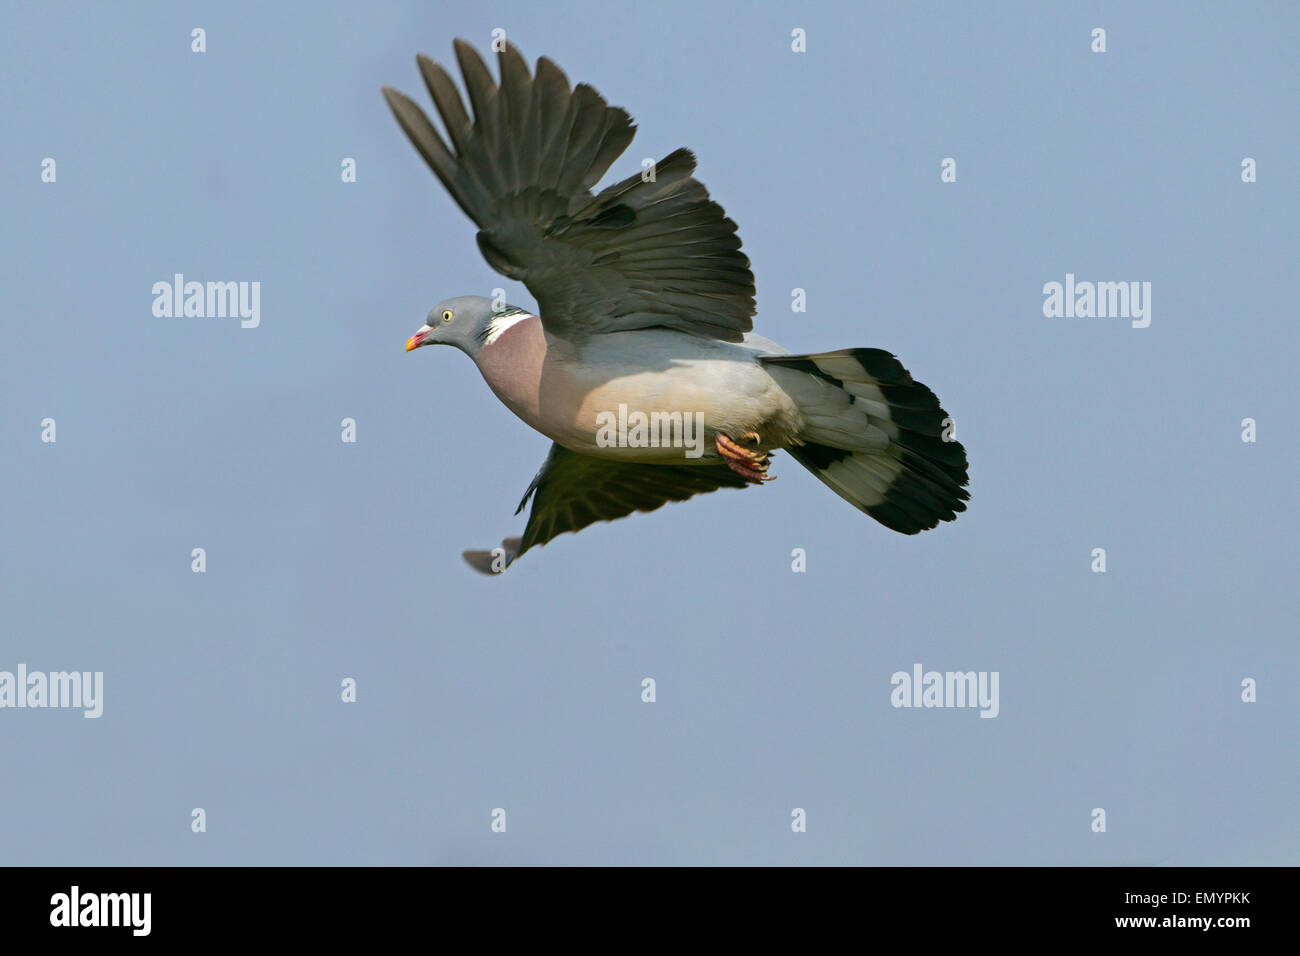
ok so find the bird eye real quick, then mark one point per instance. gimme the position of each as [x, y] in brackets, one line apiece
[446, 315]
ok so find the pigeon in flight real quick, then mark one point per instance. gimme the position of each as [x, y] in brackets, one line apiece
[641, 366]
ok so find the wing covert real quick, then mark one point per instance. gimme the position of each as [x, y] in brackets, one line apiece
[652, 250]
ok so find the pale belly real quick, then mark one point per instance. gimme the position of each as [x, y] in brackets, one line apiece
[625, 398]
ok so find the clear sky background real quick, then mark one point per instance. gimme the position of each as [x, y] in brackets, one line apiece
[328, 560]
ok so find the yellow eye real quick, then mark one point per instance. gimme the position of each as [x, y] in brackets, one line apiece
[446, 315]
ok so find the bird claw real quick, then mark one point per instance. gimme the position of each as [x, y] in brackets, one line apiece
[750, 465]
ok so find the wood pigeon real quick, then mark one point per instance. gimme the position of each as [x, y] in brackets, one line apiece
[641, 366]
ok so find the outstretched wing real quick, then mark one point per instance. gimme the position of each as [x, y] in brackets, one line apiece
[574, 490]
[652, 250]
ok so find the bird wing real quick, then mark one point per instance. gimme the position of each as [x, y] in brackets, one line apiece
[573, 490]
[652, 250]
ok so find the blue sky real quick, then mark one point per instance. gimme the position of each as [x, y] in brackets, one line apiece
[328, 560]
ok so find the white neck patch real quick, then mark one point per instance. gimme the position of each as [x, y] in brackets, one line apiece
[498, 326]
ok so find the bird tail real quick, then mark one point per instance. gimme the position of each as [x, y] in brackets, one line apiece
[876, 437]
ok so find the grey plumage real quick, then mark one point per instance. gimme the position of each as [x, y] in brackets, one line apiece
[640, 254]
[926, 486]
[646, 301]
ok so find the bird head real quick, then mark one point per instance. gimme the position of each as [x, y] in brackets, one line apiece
[464, 322]
[467, 322]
